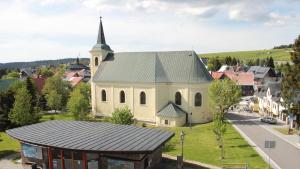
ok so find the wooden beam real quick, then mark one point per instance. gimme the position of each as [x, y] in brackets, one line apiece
[50, 158]
[62, 159]
[84, 160]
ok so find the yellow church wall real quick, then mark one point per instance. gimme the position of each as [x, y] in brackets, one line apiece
[157, 97]
[200, 114]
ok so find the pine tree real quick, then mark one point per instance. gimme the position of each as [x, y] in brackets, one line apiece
[32, 91]
[22, 112]
[270, 63]
[234, 62]
[228, 60]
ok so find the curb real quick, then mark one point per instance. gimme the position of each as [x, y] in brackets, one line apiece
[256, 148]
[192, 162]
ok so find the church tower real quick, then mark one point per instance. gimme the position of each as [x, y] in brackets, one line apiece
[100, 51]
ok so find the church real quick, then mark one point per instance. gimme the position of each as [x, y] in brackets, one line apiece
[165, 88]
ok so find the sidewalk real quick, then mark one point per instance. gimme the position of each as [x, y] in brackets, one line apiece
[291, 139]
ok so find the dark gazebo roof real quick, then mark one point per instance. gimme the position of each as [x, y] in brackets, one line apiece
[92, 136]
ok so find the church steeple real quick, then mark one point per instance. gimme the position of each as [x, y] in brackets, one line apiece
[101, 37]
[101, 43]
[100, 50]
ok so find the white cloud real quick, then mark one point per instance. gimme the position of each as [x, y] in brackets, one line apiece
[138, 25]
[277, 19]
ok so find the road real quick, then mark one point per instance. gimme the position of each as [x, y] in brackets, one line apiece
[285, 155]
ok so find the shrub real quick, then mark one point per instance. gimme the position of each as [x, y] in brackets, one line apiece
[122, 116]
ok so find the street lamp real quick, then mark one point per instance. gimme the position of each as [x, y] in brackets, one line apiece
[191, 120]
[182, 134]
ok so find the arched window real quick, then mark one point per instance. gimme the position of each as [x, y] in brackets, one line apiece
[198, 99]
[96, 61]
[142, 98]
[178, 98]
[122, 97]
[103, 95]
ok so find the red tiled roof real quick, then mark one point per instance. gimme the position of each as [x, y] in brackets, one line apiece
[39, 83]
[217, 75]
[75, 80]
[242, 78]
[69, 75]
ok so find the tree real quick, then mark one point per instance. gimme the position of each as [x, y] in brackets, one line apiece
[228, 60]
[270, 62]
[257, 62]
[45, 72]
[214, 64]
[234, 62]
[55, 83]
[222, 95]
[11, 75]
[54, 100]
[85, 89]
[290, 87]
[250, 62]
[122, 116]
[6, 104]
[22, 112]
[78, 104]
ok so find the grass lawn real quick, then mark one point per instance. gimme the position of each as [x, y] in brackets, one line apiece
[61, 116]
[8, 145]
[200, 145]
[285, 130]
[276, 54]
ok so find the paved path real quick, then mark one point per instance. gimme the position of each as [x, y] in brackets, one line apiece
[284, 156]
[7, 163]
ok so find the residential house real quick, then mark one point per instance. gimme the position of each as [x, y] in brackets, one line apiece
[39, 82]
[270, 101]
[164, 88]
[262, 75]
[25, 73]
[243, 79]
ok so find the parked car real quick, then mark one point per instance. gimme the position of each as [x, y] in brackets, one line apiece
[269, 120]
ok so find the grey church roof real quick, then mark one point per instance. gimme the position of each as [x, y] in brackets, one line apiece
[92, 136]
[171, 110]
[155, 67]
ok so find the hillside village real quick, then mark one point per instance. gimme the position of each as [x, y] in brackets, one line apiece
[154, 90]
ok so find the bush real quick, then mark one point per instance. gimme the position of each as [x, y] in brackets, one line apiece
[122, 116]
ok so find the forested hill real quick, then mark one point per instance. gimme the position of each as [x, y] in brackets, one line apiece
[33, 64]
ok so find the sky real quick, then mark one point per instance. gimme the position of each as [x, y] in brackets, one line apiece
[55, 29]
